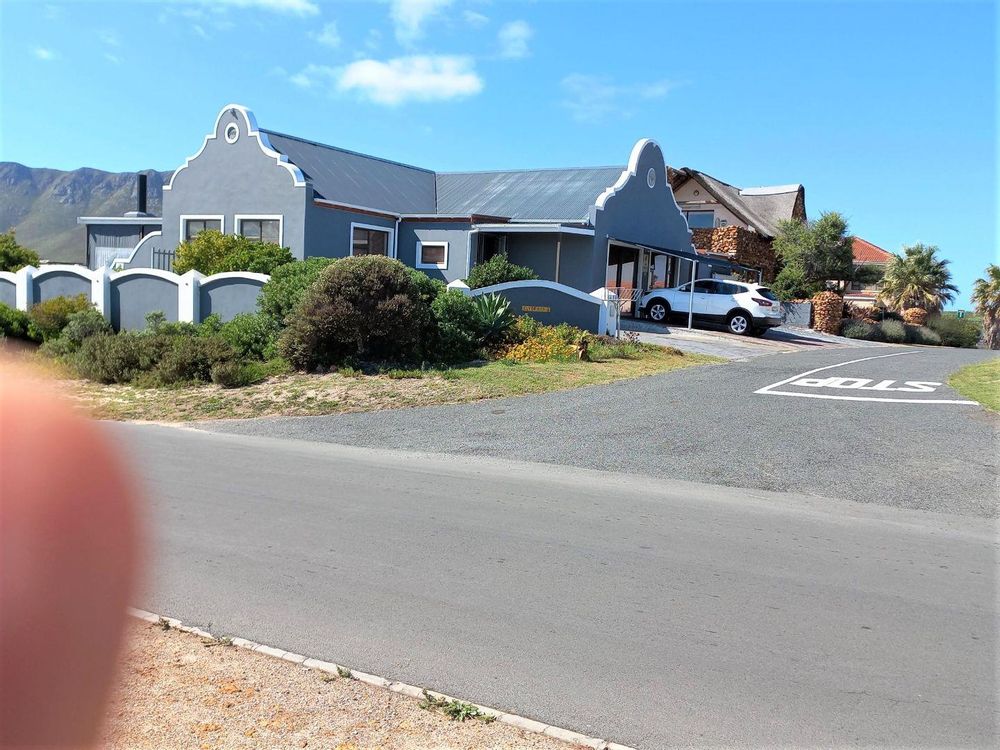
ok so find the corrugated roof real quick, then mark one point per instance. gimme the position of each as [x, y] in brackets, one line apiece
[542, 194]
[349, 177]
[866, 252]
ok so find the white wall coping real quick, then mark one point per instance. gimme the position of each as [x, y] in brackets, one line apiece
[170, 276]
[9, 276]
[244, 275]
[81, 271]
[536, 284]
[139, 244]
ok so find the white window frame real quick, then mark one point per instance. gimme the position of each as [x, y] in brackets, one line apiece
[390, 247]
[436, 243]
[200, 217]
[238, 220]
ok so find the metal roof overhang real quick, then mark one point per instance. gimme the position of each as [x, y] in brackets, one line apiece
[686, 255]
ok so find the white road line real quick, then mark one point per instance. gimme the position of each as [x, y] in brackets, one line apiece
[767, 389]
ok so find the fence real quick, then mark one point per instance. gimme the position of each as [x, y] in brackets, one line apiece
[162, 260]
[126, 297]
[552, 303]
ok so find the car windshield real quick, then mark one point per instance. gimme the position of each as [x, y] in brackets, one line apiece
[766, 293]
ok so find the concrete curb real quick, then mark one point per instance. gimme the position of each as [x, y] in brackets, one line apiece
[413, 691]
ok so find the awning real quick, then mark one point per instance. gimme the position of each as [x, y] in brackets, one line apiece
[686, 255]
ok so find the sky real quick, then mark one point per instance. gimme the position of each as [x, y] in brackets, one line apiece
[886, 112]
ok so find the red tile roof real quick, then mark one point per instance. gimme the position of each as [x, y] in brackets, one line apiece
[866, 252]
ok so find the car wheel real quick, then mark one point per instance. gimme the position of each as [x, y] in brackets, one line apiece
[740, 324]
[657, 311]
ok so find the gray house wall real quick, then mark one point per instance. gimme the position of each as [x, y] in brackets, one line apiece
[8, 293]
[537, 251]
[59, 284]
[236, 178]
[552, 307]
[328, 230]
[228, 297]
[132, 297]
[576, 262]
[114, 238]
[456, 234]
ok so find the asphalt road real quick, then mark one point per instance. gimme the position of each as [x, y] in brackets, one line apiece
[655, 613]
[707, 424]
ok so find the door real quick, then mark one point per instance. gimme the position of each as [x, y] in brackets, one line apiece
[723, 299]
[623, 271]
[701, 299]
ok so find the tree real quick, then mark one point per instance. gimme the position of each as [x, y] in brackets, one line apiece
[14, 256]
[917, 278]
[498, 270]
[213, 252]
[814, 255]
[986, 298]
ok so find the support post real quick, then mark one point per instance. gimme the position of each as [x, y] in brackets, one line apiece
[24, 288]
[100, 290]
[694, 269]
[558, 248]
[189, 297]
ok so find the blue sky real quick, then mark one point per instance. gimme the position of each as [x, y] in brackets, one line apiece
[884, 111]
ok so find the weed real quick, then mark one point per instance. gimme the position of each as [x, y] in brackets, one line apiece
[328, 677]
[222, 640]
[344, 672]
[164, 623]
[454, 709]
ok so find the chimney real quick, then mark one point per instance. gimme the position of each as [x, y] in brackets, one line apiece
[140, 193]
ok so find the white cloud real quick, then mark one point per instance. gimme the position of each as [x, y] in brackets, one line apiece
[199, 30]
[591, 98]
[291, 7]
[475, 20]
[45, 54]
[314, 75]
[421, 78]
[109, 38]
[513, 38]
[409, 17]
[328, 36]
[113, 59]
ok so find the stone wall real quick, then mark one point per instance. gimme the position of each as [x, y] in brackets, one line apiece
[739, 245]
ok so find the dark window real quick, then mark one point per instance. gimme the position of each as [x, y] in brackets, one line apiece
[194, 227]
[262, 230]
[700, 219]
[432, 253]
[704, 287]
[766, 293]
[725, 288]
[370, 241]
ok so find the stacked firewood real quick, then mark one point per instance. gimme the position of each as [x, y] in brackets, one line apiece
[828, 311]
[915, 316]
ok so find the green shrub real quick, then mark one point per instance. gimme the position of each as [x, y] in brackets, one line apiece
[236, 374]
[190, 359]
[922, 335]
[15, 324]
[158, 325]
[364, 306]
[458, 327]
[84, 324]
[108, 358]
[213, 252]
[893, 331]
[960, 332]
[13, 257]
[252, 335]
[547, 343]
[498, 270]
[860, 329]
[51, 316]
[494, 316]
[427, 288]
[287, 285]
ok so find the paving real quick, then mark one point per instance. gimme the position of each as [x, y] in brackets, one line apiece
[654, 613]
[708, 424]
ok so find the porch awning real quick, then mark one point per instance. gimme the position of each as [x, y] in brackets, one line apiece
[687, 255]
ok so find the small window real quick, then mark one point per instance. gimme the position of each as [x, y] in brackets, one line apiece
[432, 255]
[194, 227]
[700, 219]
[704, 287]
[766, 293]
[261, 230]
[365, 241]
[724, 288]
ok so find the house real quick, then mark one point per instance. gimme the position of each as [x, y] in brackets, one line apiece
[736, 223]
[587, 228]
[866, 254]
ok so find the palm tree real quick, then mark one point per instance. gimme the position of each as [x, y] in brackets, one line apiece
[986, 298]
[917, 278]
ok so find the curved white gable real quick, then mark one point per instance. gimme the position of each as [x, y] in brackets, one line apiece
[631, 171]
[298, 179]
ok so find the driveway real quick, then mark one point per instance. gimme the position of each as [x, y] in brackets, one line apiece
[710, 424]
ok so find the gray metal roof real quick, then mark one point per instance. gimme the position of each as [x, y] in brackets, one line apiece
[540, 194]
[349, 177]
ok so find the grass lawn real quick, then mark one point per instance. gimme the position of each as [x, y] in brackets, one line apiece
[980, 382]
[299, 394]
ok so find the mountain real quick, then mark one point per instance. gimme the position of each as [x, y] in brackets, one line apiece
[42, 205]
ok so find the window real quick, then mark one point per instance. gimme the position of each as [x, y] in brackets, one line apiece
[260, 228]
[724, 288]
[195, 225]
[766, 293]
[367, 240]
[432, 255]
[705, 287]
[700, 219]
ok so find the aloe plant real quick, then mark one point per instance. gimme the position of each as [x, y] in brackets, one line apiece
[494, 315]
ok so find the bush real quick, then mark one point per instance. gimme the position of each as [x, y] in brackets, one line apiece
[457, 327]
[859, 329]
[365, 306]
[15, 324]
[498, 270]
[893, 331]
[494, 316]
[158, 325]
[235, 374]
[547, 343]
[213, 252]
[13, 257]
[82, 325]
[108, 358]
[922, 335]
[190, 359]
[252, 335]
[960, 332]
[288, 283]
[52, 315]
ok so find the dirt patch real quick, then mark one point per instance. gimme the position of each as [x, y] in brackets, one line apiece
[176, 691]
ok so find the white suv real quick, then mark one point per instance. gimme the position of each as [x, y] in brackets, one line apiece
[745, 309]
